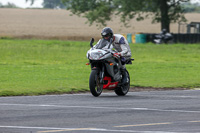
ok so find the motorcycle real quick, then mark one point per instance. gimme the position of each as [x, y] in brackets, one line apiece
[163, 38]
[106, 71]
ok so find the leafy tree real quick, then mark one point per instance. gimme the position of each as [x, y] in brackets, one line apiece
[53, 4]
[8, 5]
[100, 11]
[32, 1]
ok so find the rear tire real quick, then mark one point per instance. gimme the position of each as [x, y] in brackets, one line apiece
[94, 82]
[123, 90]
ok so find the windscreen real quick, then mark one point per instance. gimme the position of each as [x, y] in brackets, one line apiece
[102, 43]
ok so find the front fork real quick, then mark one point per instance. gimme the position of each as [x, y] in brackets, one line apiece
[102, 74]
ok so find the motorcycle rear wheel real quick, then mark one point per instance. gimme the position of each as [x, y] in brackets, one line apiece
[123, 90]
[96, 87]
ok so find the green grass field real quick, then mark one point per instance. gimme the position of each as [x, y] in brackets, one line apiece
[37, 67]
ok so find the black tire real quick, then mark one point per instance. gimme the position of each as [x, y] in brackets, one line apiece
[94, 83]
[123, 90]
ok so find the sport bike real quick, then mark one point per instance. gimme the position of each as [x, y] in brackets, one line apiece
[106, 71]
[163, 38]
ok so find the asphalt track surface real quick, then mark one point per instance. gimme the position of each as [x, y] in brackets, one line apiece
[138, 112]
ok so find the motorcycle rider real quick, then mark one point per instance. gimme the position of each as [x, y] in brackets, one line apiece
[119, 43]
[163, 37]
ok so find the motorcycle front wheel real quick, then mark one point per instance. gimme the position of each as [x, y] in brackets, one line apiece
[123, 90]
[94, 82]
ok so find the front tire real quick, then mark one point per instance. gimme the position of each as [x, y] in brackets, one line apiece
[123, 89]
[94, 82]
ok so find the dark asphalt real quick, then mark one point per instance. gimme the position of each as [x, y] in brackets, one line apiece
[138, 112]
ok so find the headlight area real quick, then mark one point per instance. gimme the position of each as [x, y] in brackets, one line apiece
[96, 56]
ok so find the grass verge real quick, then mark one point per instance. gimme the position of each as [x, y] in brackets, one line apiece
[37, 67]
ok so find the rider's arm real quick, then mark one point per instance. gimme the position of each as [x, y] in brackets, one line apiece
[124, 46]
[124, 50]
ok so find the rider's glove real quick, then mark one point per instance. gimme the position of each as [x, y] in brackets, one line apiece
[117, 54]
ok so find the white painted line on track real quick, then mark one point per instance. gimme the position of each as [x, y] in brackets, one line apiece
[149, 124]
[41, 128]
[130, 131]
[195, 121]
[80, 129]
[95, 107]
[76, 129]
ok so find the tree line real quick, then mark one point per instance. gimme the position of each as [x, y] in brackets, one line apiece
[191, 7]
[51, 4]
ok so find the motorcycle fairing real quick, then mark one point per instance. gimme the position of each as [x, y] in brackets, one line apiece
[109, 84]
